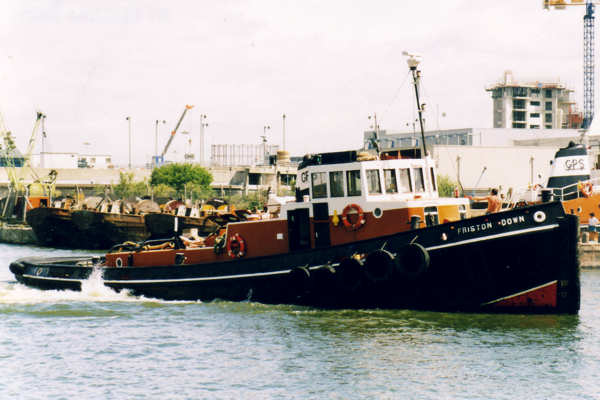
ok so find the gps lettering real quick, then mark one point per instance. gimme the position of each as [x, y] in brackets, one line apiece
[574, 164]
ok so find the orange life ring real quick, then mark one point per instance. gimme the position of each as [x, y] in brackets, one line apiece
[586, 188]
[536, 186]
[360, 220]
[236, 247]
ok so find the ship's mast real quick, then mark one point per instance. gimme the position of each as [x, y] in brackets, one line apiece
[413, 62]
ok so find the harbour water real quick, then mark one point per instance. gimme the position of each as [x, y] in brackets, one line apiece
[101, 344]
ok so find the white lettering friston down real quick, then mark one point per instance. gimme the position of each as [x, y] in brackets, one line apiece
[510, 221]
[488, 225]
[475, 228]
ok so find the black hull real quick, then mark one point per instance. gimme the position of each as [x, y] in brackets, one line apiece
[54, 227]
[522, 260]
[99, 232]
[161, 225]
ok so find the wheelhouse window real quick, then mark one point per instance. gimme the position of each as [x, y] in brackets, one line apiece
[373, 182]
[462, 211]
[353, 183]
[404, 181]
[433, 183]
[336, 184]
[431, 216]
[389, 179]
[419, 181]
[319, 185]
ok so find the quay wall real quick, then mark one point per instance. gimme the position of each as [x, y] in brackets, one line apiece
[589, 255]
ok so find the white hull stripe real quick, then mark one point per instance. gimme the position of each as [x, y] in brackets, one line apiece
[208, 278]
[496, 236]
[520, 293]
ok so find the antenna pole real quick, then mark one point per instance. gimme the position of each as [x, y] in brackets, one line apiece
[416, 77]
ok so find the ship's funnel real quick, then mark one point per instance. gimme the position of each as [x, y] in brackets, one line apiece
[570, 166]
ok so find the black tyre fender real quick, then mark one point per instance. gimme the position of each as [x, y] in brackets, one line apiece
[350, 274]
[299, 279]
[380, 265]
[413, 260]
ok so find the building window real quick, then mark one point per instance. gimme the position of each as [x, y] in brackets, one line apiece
[319, 185]
[253, 179]
[389, 178]
[353, 182]
[548, 106]
[548, 126]
[535, 103]
[519, 116]
[419, 181]
[336, 184]
[548, 118]
[373, 182]
[497, 93]
[534, 115]
[404, 181]
[519, 92]
[535, 91]
[548, 93]
[519, 104]
[534, 127]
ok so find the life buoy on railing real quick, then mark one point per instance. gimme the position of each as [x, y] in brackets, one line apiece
[585, 188]
[536, 187]
[360, 221]
[236, 247]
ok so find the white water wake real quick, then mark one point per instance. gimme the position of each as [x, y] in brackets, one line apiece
[92, 290]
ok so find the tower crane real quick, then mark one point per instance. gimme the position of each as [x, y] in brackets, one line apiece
[159, 159]
[588, 52]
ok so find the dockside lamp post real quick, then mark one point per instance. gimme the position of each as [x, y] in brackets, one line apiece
[283, 131]
[43, 154]
[156, 138]
[129, 125]
[264, 140]
[203, 125]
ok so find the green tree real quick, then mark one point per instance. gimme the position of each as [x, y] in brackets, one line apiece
[446, 186]
[162, 190]
[127, 187]
[178, 175]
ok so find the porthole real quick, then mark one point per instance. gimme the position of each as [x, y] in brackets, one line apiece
[119, 262]
[539, 216]
[377, 212]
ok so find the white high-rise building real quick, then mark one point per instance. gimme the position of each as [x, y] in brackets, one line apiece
[533, 105]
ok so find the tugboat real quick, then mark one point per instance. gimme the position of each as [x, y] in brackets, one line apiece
[365, 230]
[569, 182]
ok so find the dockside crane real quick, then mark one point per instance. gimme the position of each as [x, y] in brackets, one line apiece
[18, 199]
[588, 52]
[160, 159]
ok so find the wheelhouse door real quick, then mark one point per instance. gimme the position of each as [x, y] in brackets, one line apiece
[321, 224]
[299, 229]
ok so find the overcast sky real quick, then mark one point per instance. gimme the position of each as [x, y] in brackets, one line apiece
[326, 64]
